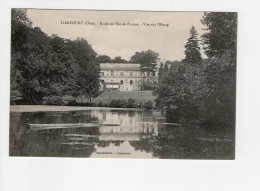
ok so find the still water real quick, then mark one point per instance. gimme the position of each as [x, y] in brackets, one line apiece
[137, 134]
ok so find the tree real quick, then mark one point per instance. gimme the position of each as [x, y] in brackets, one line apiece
[146, 59]
[85, 82]
[118, 59]
[20, 24]
[180, 93]
[81, 50]
[85, 79]
[160, 73]
[221, 82]
[220, 43]
[103, 59]
[220, 34]
[206, 92]
[192, 52]
[45, 66]
[166, 68]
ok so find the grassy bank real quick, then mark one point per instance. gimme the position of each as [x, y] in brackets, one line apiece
[36, 108]
[108, 99]
[138, 96]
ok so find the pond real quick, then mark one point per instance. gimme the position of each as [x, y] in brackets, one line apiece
[130, 134]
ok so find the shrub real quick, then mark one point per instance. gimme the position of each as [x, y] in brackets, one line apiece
[72, 103]
[118, 103]
[105, 104]
[140, 105]
[148, 105]
[100, 104]
[131, 103]
[53, 100]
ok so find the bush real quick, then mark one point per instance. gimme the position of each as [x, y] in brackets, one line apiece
[140, 105]
[118, 103]
[148, 105]
[53, 100]
[131, 103]
[71, 103]
[105, 104]
[100, 104]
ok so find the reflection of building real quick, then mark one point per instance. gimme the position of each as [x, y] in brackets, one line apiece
[124, 77]
[132, 127]
[130, 133]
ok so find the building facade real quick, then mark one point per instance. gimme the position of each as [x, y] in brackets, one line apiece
[124, 77]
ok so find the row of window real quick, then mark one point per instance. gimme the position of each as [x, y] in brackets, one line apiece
[121, 82]
[118, 80]
[125, 74]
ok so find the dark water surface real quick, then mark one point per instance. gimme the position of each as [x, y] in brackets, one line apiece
[140, 134]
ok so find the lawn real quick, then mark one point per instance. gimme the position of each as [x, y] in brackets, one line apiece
[139, 96]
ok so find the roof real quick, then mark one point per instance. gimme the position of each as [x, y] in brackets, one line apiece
[120, 66]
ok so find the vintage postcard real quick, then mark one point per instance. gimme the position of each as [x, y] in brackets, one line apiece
[123, 84]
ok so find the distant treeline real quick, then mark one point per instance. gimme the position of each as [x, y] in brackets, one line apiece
[203, 91]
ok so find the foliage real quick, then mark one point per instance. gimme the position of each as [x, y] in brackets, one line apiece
[146, 59]
[118, 59]
[192, 49]
[46, 66]
[166, 68]
[131, 103]
[205, 92]
[53, 100]
[148, 105]
[20, 25]
[120, 103]
[160, 73]
[85, 77]
[148, 84]
[138, 96]
[103, 59]
[220, 33]
[181, 91]
[221, 81]
[107, 59]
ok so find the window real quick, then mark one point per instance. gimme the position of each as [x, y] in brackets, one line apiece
[102, 73]
[121, 74]
[112, 72]
[153, 73]
[131, 73]
[122, 82]
[131, 81]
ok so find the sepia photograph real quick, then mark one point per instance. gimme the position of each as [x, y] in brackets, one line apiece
[123, 84]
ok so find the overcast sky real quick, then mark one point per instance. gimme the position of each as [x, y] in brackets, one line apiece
[123, 41]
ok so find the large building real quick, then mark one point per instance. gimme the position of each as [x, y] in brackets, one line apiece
[124, 77]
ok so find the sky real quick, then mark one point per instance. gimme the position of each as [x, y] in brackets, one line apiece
[122, 40]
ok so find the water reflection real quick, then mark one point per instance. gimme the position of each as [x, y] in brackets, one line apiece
[140, 134]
